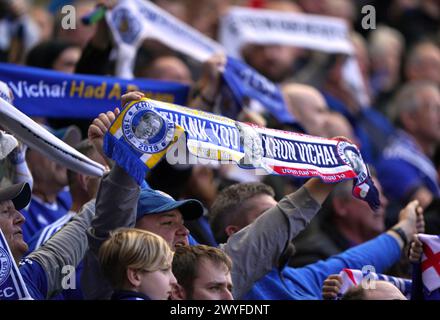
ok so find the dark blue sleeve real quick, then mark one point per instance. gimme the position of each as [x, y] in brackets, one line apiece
[29, 228]
[381, 253]
[64, 199]
[398, 178]
[35, 278]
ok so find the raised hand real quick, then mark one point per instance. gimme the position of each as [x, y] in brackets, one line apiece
[205, 91]
[416, 250]
[331, 287]
[411, 221]
[99, 128]
[102, 123]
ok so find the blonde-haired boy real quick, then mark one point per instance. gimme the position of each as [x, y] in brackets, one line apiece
[138, 265]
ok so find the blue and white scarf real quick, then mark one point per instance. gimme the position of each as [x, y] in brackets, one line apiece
[241, 26]
[12, 286]
[47, 93]
[37, 137]
[144, 131]
[405, 148]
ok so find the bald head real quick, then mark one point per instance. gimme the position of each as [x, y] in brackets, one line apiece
[308, 106]
[169, 68]
[383, 290]
[337, 125]
[344, 9]
[283, 5]
[423, 63]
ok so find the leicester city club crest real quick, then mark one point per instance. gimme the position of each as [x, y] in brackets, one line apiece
[145, 129]
[5, 265]
[127, 25]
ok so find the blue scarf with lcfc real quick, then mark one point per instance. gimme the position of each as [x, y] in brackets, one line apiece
[12, 286]
[146, 129]
[246, 83]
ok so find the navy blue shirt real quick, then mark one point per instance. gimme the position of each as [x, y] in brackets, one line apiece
[40, 214]
[128, 295]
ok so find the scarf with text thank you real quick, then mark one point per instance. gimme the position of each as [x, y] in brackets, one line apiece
[144, 131]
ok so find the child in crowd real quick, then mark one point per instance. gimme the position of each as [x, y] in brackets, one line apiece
[138, 265]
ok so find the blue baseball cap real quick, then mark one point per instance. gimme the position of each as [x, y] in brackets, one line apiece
[156, 201]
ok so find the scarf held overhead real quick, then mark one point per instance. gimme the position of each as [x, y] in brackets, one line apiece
[242, 26]
[37, 137]
[46, 93]
[144, 131]
[132, 21]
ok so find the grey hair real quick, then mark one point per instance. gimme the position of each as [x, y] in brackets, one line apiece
[382, 37]
[407, 99]
[414, 57]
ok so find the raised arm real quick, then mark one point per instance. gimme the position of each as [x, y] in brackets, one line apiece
[379, 253]
[256, 249]
[116, 205]
[65, 248]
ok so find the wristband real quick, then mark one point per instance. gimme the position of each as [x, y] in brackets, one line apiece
[401, 234]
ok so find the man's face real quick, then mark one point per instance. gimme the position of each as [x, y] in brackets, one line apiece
[67, 60]
[147, 128]
[358, 214]
[428, 67]
[252, 208]
[428, 115]
[257, 205]
[46, 171]
[11, 221]
[213, 282]
[168, 225]
[273, 61]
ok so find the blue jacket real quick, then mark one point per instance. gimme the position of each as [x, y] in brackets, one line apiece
[306, 283]
[405, 162]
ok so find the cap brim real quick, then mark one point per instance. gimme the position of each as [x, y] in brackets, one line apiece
[190, 209]
[19, 194]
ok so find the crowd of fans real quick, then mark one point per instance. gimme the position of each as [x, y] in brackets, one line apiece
[250, 235]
